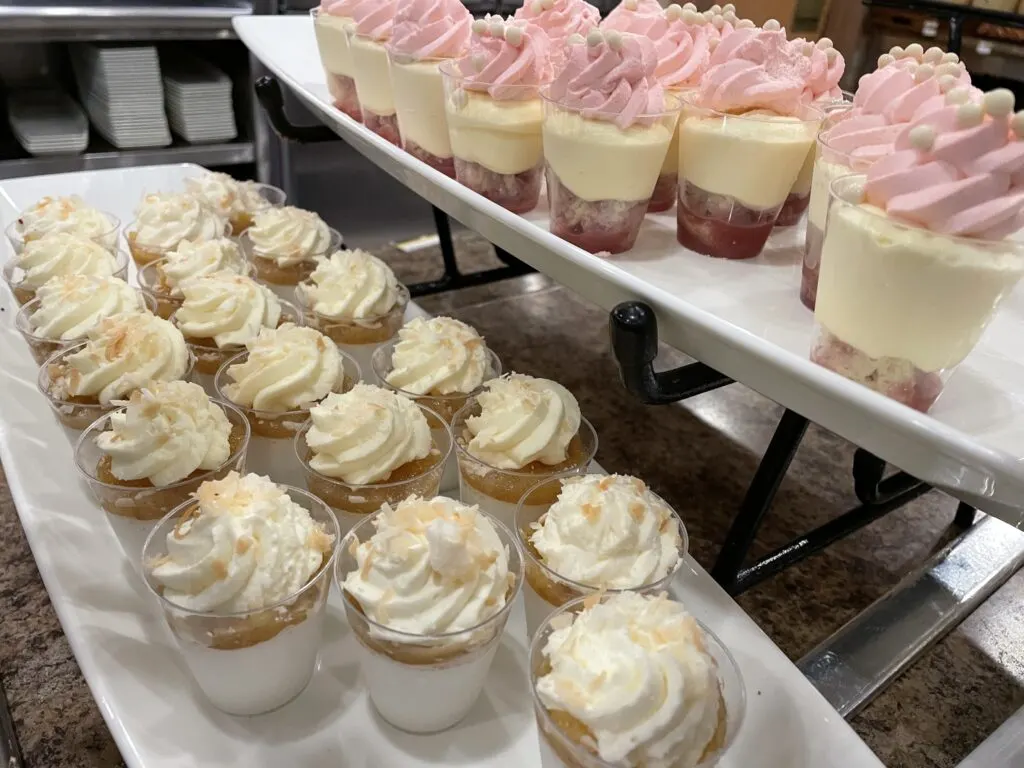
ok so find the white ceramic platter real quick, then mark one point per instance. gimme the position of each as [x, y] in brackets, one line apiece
[742, 318]
[159, 721]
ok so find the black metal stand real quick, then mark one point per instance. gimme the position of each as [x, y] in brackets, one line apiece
[271, 98]
[634, 335]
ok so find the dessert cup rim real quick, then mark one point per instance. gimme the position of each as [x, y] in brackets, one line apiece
[21, 319]
[302, 413]
[88, 433]
[389, 346]
[690, 99]
[401, 302]
[673, 102]
[412, 638]
[304, 462]
[249, 249]
[235, 348]
[326, 569]
[413, 59]
[878, 214]
[579, 586]
[736, 713]
[449, 70]
[464, 450]
[129, 229]
[121, 260]
[145, 273]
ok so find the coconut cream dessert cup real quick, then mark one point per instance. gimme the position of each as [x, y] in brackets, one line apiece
[161, 279]
[121, 354]
[426, 34]
[163, 220]
[519, 431]
[367, 42]
[355, 299]
[232, 199]
[495, 113]
[56, 255]
[332, 23]
[633, 680]
[69, 215]
[559, 20]
[65, 308]
[242, 573]
[284, 243]
[606, 103]
[148, 457]
[275, 381]
[440, 363]
[583, 534]
[427, 586]
[369, 447]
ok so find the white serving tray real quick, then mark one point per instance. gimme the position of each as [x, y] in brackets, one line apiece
[742, 318]
[159, 721]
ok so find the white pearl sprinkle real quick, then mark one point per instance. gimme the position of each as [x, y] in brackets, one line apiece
[896, 52]
[948, 68]
[497, 29]
[538, 6]
[479, 61]
[831, 54]
[716, 8]
[950, 58]
[958, 95]
[708, 16]
[479, 26]
[728, 8]
[999, 103]
[922, 137]
[772, 25]
[718, 22]
[614, 39]
[630, 4]
[745, 24]
[807, 49]
[1017, 125]
[594, 38]
[924, 72]
[713, 43]
[946, 83]
[690, 7]
[885, 60]
[548, 4]
[969, 115]
[577, 39]
[691, 17]
[674, 12]
[916, 50]
[824, 44]
[731, 17]
[513, 36]
[933, 55]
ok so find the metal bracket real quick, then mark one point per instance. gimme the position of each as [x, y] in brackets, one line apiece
[271, 98]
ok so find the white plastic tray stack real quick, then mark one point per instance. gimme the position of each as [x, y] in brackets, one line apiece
[47, 121]
[198, 97]
[122, 91]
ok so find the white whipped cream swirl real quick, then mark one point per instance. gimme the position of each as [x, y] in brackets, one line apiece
[226, 195]
[123, 353]
[288, 368]
[169, 430]
[71, 305]
[230, 309]
[350, 285]
[522, 420]
[433, 567]
[439, 356]
[164, 220]
[608, 532]
[61, 254]
[364, 435]
[70, 215]
[191, 259]
[288, 235]
[248, 547]
[635, 671]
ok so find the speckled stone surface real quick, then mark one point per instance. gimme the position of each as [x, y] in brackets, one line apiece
[700, 457]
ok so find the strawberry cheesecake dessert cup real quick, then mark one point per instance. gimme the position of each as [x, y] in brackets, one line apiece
[605, 104]
[559, 20]
[427, 585]
[494, 112]
[332, 24]
[241, 573]
[367, 41]
[426, 34]
[918, 252]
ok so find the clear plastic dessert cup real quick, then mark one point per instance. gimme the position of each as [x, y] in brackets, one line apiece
[418, 91]
[271, 448]
[664, 196]
[144, 254]
[77, 413]
[106, 239]
[332, 33]
[425, 683]
[496, 139]
[258, 661]
[352, 502]
[357, 337]
[545, 588]
[498, 491]
[599, 205]
[373, 86]
[566, 741]
[153, 285]
[134, 507]
[898, 306]
[736, 172]
[43, 348]
[14, 276]
[445, 406]
[267, 270]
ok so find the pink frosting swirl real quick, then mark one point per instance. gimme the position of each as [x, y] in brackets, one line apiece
[559, 19]
[963, 174]
[338, 7]
[431, 29]
[861, 137]
[508, 60]
[611, 77]
[756, 69]
[375, 18]
[622, 16]
[827, 69]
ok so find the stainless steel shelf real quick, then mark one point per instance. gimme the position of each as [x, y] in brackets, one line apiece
[233, 153]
